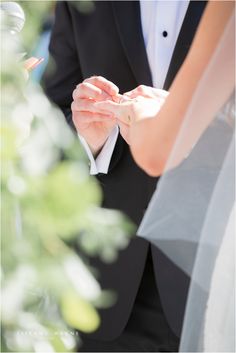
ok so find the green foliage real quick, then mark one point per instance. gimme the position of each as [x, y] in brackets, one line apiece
[79, 313]
[46, 204]
[51, 196]
[35, 12]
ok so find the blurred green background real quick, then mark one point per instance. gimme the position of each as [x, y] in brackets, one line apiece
[49, 205]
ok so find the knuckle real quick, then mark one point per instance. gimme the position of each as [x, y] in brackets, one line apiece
[141, 88]
[78, 87]
[96, 80]
[74, 94]
[74, 117]
[88, 80]
[81, 86]
[73, 106]
[93, 78]
[76, 105]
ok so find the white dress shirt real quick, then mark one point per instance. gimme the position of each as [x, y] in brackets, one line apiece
[161, 24]
[102, 162]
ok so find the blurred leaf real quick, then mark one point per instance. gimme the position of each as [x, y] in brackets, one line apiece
[61, 215]
[112, 229]
[79, 313]
[8, 144]
[35, 13]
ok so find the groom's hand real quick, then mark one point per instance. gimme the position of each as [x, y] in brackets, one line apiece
[93, 125]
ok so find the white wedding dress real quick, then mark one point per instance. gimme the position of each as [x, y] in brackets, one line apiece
[190, 216]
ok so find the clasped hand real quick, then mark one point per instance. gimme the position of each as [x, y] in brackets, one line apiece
[98, 107]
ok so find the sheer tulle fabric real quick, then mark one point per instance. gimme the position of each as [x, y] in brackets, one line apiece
[190, 215]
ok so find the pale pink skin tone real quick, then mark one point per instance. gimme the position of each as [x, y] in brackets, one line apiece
[95, 122]
[32, 63]
[94, 125]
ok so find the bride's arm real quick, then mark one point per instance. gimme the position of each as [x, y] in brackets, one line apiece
[152, 139]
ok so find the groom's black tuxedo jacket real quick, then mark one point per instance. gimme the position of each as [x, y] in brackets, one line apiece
[108, 41]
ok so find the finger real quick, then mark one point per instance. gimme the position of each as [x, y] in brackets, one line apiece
[102, 83]
[121, 111]
[129, 94]
[108, 106]
[147, 92]
[88, 105]
[138, 91]
[87, 90]
[88, 117]
[117, 98]
[32, 63]
[135, 94]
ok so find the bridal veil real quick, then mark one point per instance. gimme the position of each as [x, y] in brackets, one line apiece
[190, 217]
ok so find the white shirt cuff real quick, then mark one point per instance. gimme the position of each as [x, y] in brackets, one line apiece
[102, 162]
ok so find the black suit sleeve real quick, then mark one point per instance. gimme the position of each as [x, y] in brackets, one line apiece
[63, 71]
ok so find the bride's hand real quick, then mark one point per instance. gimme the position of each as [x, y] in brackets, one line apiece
[147, 92]
[141, 103]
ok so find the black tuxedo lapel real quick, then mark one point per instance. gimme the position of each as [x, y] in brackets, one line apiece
[184, 41]
[128, 22]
